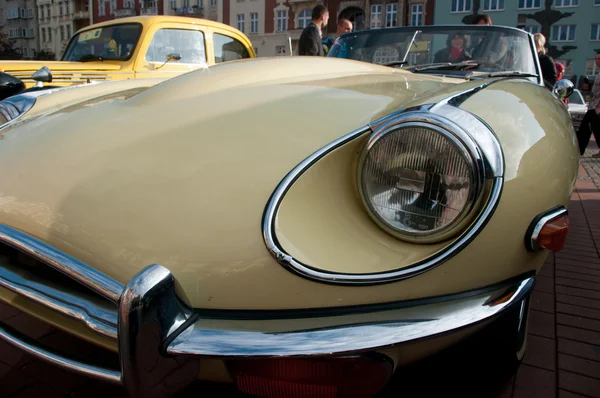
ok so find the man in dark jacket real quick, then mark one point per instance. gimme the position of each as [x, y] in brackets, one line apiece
[310, 42]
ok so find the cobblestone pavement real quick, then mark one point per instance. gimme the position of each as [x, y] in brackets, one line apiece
[563, 349]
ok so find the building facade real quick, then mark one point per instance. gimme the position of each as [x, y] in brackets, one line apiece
[571, 27]
[19, 20]
[274, 26]
[58, 21]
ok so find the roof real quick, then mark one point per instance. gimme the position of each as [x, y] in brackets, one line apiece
[152, 19]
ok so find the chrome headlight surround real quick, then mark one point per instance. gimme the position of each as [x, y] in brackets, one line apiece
[452, 117]
[447, 134]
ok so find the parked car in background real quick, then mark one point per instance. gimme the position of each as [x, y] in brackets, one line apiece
[297, 226]
[138, 47]
[577, 108]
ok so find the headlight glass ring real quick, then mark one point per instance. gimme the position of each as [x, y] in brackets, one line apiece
[420, 178]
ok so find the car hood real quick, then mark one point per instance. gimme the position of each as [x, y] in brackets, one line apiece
[180, 174]
[61, 71]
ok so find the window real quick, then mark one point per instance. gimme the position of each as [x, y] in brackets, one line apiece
[525, 4]
[228, 49]
[186, 3]
[566, 3]
[595, 33]
[416, 15]
[48, 11]
[49, 34]
[173, 4]
[563, 32]
[101, 8]
[30, 32]
[60, 8]
[128, 4]
[213, 2]
[304, 18]
[113, 6]
[199, 3]
[532, 29]
[13, 13]
[98, 41]
[253, 22]
[187, 43]
[23, 13]
[42, 12]
[43, 35]
[376, 15]
[280, 50]
[62, 32]
[391, 15]
[281, 20]
[591, 68]
[493, 5]
[68, 31]
[240, 20]
[30, 13]
[461, 6]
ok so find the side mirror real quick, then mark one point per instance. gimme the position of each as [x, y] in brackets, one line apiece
[10, 85]
[170, 57]
[173, 57]
[42, 75]
[563, 89]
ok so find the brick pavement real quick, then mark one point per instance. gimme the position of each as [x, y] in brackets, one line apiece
[563, 349]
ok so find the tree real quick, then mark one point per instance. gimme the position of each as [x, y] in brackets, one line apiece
[546, 18]
[6, 49]
[468, 19]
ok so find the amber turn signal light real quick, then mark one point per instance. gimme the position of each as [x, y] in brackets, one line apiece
[548, 231]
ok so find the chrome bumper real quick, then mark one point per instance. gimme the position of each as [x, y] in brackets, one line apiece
[152, 326]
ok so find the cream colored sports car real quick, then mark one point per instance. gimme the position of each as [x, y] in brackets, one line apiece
[293, 225]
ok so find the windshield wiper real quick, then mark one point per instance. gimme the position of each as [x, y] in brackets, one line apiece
[90, 57]
[445, 65]
[510, 73]
[394, 63]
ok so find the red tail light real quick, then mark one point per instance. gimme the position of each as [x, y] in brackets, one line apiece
[351, 377]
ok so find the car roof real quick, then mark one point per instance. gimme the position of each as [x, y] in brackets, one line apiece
[148, 20]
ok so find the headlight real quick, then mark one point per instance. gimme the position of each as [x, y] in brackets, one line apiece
[421, 179]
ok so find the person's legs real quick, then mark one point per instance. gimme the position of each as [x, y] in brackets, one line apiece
[585, 130]
[595, 127]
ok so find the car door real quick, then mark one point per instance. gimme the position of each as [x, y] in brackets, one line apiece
[180, 40]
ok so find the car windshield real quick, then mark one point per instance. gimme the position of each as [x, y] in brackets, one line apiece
[112, 42]
[462, 49]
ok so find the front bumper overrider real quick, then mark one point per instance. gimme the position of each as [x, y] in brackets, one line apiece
[161, 341]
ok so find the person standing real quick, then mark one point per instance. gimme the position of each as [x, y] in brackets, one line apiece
[310, 42]
[591, 121]
[344, 25]
[546, 62]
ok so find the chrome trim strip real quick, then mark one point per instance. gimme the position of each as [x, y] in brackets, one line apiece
[95, 317]
[22, 103]
[535, 232]
[110, 376]
[434, 320]
[70, 266]
[445, 113]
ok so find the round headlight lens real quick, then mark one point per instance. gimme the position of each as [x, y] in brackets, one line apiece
[418, 181]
